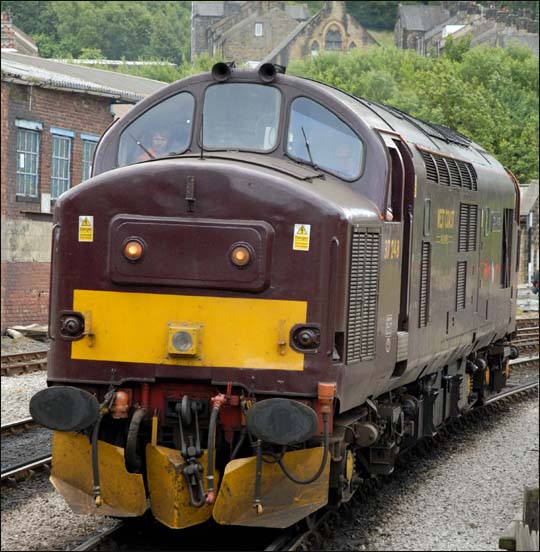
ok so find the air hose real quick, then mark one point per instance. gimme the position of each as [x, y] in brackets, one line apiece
[95, 465]
[323, 461]
[210, 494]
[133, 460]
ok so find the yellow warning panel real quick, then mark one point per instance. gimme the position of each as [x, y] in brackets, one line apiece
[86, 228]
[301, 237]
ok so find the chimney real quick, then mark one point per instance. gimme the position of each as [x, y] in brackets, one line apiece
[8, 34]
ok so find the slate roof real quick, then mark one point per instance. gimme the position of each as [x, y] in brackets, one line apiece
[65, 76]
[421, 17]
[208, 9]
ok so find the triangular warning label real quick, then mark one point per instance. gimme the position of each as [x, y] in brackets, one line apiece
[85, 222]
[301, 231]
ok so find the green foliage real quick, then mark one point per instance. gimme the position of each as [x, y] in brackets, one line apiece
[455, 49]
[487, 94]
[120, 29]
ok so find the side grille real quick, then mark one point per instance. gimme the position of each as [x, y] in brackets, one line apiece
[425, 276]
[444, 173]
[431, 168]
[468, 227]
[363, 294]
[450, 172]
[461, 284]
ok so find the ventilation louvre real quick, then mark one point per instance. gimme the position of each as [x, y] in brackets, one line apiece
[461, 284]
[450, 172]
[363, 294]
[425, 277]
[468, 227]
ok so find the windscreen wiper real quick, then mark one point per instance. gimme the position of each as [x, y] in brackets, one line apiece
[308, 148]
[142, 147]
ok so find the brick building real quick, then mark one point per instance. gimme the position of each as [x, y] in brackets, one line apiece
[272, 31]
[52, 116]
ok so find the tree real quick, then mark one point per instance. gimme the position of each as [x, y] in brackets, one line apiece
[487, 94]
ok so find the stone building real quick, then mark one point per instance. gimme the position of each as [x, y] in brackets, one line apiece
[331, 29]
[425, 28]
[272, 31]
[51, 119]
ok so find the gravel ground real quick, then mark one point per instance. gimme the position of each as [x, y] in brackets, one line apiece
[462, 498]
[25, 447]
[16, 394]
[35, 517]
[17, 390]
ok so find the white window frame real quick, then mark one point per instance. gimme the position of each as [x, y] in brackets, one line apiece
[88, 140]
[27, 173]
[60, 161]
[259, 29]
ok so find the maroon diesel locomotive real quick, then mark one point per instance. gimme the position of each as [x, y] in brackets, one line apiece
[267, 290]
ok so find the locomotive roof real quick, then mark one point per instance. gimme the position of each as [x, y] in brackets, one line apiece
[424, 134]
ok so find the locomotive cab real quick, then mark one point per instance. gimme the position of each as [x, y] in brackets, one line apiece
[243, 280]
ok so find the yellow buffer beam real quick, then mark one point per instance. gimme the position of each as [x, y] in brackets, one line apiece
[233, 332]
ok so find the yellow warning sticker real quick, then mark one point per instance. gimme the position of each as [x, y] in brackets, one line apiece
[86, 228]
[301, 237]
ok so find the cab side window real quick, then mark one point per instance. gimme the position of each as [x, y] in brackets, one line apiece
[316, 135]
[163, 130]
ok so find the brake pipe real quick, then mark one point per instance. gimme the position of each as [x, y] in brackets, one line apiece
[217, 402]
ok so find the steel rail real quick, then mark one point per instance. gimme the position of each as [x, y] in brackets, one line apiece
[510, 392]
[95, 540]
[19, 426]
[20, 469]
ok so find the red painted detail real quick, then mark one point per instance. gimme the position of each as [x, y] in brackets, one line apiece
[145, 394]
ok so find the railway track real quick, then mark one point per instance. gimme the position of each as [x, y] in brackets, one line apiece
[21, 470]
[23, 363]
[26, 469]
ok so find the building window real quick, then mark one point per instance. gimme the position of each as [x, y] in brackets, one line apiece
[315, 49]
[352, 46]
[258, 29]
[333, 39]
[27, 162]
[61, 163]
[89, 146]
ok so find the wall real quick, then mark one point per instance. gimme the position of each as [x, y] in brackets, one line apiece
[242, 44]
[26, 230]
[332, 16]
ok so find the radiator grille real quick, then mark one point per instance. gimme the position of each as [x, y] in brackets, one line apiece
[363, 294]
[425, 276]
[468, 227]
[461, 284]
[450, 172]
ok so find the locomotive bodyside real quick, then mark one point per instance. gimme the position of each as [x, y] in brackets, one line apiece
[261, 294]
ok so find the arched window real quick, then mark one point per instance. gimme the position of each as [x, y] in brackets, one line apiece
[333, 39]
[352, 46]
[315, 49]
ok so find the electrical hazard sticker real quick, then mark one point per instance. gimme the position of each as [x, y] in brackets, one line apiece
[301, 237]
[86, 228]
